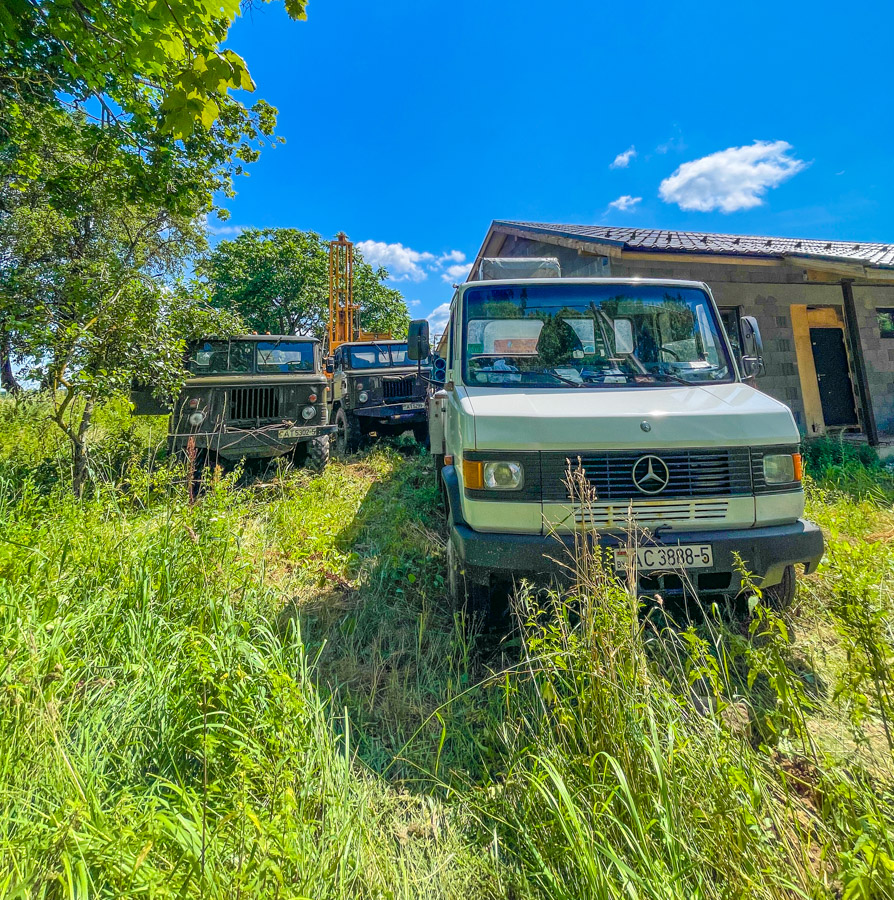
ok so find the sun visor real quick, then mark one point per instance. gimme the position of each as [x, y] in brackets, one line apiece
[508, 267]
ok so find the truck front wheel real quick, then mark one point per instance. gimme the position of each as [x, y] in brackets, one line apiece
[347, 435]
[782, 595]
[317, 453]
[464, 594]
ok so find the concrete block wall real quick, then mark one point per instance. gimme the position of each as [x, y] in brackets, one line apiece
[878, 353]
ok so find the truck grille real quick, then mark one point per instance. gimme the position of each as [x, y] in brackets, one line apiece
[253, 404]
[651, 512]
[693, 473]
[399, 388]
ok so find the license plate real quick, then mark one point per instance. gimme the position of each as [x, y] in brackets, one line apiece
[679, 556]
[414, 405]
[297, 432]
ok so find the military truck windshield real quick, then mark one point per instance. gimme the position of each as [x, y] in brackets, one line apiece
[378, 356]
[221, 358]
[285, 356]
[586, 335]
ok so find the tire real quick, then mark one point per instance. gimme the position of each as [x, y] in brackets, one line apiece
[420, 434]
[317, 453]
[347, 435]
[464, 594]
[781, 596]
[439, 481]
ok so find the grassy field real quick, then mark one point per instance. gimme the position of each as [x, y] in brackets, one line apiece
[264, 694]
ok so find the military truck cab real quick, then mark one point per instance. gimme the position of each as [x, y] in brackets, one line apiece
[254, 397]
[634, 385]
[377, 390]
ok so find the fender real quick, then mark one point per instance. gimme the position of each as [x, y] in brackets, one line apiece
[454, 500]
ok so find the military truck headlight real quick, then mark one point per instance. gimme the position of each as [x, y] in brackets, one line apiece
[308, 412]
[196, 419]
[782, 468]
[363, 396]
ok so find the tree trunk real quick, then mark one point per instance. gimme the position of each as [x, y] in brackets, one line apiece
[7, 376]
[79, 450]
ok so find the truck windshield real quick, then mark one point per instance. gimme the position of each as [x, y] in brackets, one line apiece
[285, 356]
[590, 335]
[221, 357]
[378, 356]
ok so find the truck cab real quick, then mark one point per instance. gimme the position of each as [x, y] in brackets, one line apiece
[631, 387]
[377, 389]
[251, 397]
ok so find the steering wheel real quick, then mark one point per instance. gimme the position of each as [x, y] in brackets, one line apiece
[673, 353]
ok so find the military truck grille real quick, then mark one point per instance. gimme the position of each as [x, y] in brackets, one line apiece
[651, 512]
[398, 388]
[693, 473]
[253, 404]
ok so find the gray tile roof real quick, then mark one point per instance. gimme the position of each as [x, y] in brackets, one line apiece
[655, 240]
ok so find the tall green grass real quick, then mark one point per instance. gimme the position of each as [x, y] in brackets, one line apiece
[264, 694]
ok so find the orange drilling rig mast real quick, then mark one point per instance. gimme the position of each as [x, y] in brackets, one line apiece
[344, 316]
[342, 313]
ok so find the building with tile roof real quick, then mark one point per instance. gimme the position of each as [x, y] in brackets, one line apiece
[825, 308]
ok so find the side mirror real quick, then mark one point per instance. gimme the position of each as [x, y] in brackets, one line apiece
[329, 363]
[752, 348]
[417, 339]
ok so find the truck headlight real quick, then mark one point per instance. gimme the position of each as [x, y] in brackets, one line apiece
[363, 396]
[308, 412]
[196, 419]
[493, 475]
[782, 468]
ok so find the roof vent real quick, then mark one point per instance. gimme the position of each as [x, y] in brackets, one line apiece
[509, 268]
[737, 241]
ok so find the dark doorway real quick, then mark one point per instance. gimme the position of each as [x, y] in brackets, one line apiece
[835, 389]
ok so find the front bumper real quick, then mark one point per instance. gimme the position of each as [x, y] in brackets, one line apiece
[393, 413]
[260, 443]
[764, 552]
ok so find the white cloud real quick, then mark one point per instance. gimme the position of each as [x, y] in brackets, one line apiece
[731, 179]
[415, 302]
[455, 273]
[453, 256]
[438, 317]
[227, 230]
[625, 202]
[403, 263]
[622, 160]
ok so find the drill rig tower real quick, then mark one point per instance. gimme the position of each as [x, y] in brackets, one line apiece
[344, 316]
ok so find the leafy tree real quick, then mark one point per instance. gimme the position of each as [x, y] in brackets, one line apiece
[86, 259]
[277, 280]
[117, 131]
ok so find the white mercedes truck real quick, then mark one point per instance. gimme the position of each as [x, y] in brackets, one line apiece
[633, 383]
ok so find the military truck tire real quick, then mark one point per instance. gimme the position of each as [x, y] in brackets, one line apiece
[317, 453]
[781, 596]
[347, 435]
[464, 594]
[420, 434]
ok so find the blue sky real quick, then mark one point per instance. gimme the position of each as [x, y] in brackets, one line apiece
[411, 125]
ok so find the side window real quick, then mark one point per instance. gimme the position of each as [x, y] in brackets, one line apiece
[730, 316]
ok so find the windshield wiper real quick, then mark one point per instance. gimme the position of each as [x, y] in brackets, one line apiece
[669, 376]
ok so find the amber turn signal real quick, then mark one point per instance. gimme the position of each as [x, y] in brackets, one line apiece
[473, 476]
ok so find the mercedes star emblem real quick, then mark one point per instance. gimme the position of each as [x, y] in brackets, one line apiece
[645, 426]
[650, 474]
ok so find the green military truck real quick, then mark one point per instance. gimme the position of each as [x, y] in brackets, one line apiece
[377, 389]
[250, 397]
